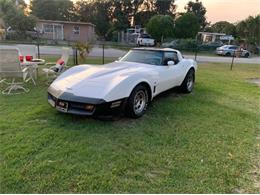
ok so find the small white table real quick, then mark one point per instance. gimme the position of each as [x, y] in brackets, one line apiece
[39, 61]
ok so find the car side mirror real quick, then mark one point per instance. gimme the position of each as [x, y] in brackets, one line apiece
[170, 63]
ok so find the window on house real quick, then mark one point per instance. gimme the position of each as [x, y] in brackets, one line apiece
[48, 28]
[208, 38]
[76, 30]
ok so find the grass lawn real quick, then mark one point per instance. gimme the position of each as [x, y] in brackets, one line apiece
[197, 143]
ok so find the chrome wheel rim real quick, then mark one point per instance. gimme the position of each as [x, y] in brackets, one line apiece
[190, 82]
[140, 101]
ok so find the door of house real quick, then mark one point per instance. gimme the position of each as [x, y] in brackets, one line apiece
[58, 32]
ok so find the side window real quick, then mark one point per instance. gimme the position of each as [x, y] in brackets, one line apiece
[232, 47]
[170, 56]
[47, 28]
[76, 30]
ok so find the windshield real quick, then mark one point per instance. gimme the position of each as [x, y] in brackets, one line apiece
[145, 36]
[143, 56]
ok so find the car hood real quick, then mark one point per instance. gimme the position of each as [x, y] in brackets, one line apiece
[95, 81]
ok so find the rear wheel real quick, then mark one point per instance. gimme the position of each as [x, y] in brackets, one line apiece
[247, 55]
[137, 102]
[228, 54]
[188, 83]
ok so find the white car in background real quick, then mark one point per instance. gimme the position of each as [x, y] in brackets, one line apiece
[126, 85]
[145, 40]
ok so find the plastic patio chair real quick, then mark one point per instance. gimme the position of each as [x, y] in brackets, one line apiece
[11, 71]
[57, 67]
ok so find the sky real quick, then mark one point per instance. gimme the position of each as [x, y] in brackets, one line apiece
[227, 10]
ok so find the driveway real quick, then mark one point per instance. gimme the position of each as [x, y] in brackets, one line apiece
[115, 53]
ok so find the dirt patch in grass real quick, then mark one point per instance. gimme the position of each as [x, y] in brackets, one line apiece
[255, 81]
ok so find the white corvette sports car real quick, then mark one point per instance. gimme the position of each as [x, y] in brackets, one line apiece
[128, 84]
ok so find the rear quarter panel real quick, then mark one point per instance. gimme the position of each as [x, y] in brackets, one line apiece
[187, 64]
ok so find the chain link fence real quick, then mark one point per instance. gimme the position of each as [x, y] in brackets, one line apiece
[111, 50]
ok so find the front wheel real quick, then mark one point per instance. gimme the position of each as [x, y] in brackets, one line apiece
[137, 102]
[188, 83]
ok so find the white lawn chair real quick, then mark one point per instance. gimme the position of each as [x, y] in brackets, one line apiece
[10, 70]
[57, 67]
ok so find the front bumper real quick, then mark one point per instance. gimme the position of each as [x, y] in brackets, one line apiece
[69, 103]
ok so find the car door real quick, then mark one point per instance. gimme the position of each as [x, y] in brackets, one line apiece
[233, 49]
[169, 75]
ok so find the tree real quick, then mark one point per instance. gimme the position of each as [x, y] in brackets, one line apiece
[165, 7]
[199, 10]
[96, 12]
[124, 12]
[249, 30]
[224, 27]
[121, 14]
[148, 8]
[187, 26]
[102, 17]
[108, 15]
[160, 27]
[7, 3]
[20, 22]
[53, 9]
[136, 6]
[118, 15]
[15, 18]
[5, 6]
[143, 17]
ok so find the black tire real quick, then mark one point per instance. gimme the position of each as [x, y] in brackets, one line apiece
[247, 55]
[188, 83]
[137, 102]
[228, 54]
